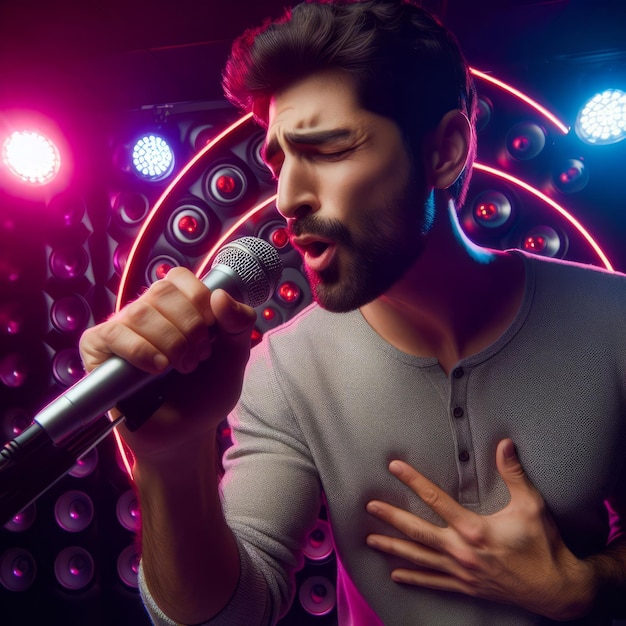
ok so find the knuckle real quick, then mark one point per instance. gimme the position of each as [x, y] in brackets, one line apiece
[414, 532]
[176, 273]
[471, 582]
[468, 561]
[109, 333]
[159, 289]
[135, 314]
[86, 340]
[474, 533]
[430, 496]
[121, 341]
[534, 505]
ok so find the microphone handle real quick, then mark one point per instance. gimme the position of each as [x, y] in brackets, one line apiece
[116, 380]
[30, 464]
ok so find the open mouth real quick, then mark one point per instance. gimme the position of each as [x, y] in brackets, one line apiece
[317, 248]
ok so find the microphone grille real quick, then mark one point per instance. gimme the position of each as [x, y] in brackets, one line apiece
[256, 263]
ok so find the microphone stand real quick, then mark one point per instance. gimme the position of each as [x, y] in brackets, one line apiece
[31, 463]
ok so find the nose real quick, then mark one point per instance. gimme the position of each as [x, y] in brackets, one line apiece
[297, 190]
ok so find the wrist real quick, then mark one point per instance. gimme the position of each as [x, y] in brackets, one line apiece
[573, 593]
[583, 588]
[178, 456]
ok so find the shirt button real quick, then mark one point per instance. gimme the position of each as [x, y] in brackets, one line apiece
[458, 372]
[464, 456]
[457, 412]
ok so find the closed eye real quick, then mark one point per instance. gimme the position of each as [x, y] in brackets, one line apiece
[331, 156]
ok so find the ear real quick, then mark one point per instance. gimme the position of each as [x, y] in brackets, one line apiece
[448, 148]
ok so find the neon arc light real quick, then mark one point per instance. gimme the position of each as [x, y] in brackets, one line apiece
[555, 205]
[524, 98]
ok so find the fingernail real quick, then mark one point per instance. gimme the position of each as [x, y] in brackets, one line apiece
[372, 507]
[160, 362]
[509, 450]
[395, 467]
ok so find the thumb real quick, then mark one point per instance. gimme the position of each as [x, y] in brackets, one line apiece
[509, 465]
[232, 317]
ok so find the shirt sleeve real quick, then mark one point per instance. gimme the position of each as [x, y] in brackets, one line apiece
[249, 598]
[271, 497]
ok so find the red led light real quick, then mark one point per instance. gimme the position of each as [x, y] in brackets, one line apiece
[188, 224]
[535, 243]
[225, 430]
[162, 269]
[269, 314]
[279, 238]
[520, 143]
[226, 184]
[256, 336]
[486, 211]
[289, 292]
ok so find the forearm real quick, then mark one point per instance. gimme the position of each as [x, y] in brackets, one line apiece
[189, 556]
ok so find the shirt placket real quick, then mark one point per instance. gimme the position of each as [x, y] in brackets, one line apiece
[461, 428]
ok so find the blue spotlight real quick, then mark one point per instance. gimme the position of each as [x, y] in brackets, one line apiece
[153, 158]
[602, 120]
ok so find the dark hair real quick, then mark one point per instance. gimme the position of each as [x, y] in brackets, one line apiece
[405, 64]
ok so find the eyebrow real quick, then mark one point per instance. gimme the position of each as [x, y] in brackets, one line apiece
[308, 138]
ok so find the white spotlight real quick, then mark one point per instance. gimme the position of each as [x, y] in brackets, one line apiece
[602, 120]
[153, 158]
[32, 157]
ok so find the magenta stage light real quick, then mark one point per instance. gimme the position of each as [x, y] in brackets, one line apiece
[31, 157]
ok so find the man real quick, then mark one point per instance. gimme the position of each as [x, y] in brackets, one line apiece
[404, 393]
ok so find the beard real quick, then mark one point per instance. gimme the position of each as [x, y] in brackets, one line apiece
[373, 255]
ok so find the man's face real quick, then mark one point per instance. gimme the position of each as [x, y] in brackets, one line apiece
[353, 202]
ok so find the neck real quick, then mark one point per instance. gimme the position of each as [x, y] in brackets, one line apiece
[455, 299]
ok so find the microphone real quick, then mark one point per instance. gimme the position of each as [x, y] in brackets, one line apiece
[248, 269]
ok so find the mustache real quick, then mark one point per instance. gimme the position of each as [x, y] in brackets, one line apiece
[316, 227]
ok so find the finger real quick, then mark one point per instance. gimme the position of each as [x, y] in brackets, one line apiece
[234, 323]
[194, 290]
[166, 326]
[410, 525]
[438, 500]
[166, 320]
[99, 343]
[436, 570]
[232, 317]
[186, 302]
[415, 553]
[431, 580]
[511, 470]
